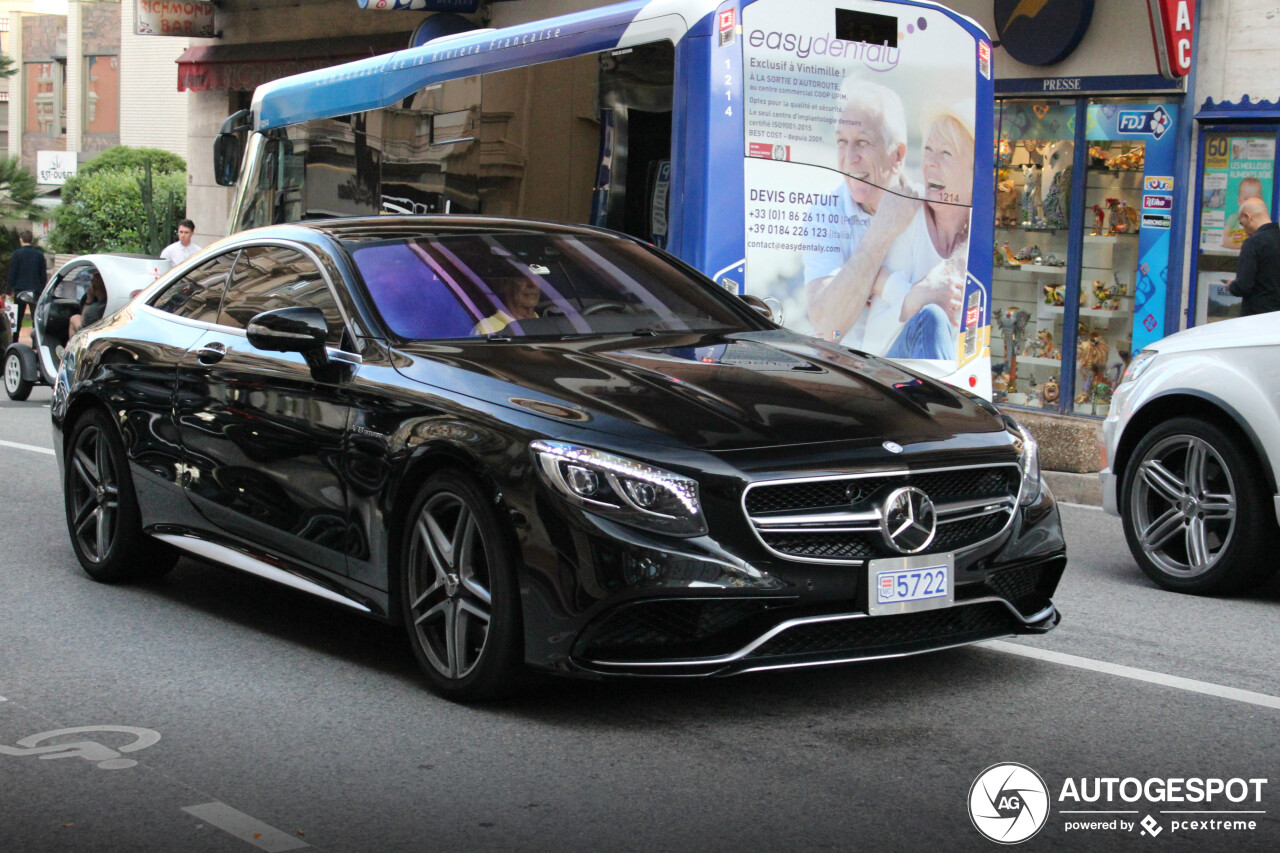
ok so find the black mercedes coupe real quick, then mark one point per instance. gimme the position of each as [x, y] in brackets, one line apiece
[545, 447]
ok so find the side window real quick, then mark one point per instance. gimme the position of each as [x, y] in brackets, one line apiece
[198, 294]
[270, 277]
[74, 283]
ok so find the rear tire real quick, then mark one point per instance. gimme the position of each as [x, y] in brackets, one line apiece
[102, 509]
[16, 385]
[459, 593]
[1196, 514]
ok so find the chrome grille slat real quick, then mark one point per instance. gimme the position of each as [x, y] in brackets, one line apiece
[812, 519]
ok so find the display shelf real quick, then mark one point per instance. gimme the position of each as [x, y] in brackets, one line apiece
[1108, 239]
[1043, 269]
[1030, 228]
[1088, 312]
[1037, 361]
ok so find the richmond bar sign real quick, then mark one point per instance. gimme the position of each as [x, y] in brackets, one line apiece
[174, 18]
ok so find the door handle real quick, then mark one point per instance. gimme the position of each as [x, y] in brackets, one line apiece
[211, 353]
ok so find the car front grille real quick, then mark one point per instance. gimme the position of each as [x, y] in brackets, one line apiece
[837, 519]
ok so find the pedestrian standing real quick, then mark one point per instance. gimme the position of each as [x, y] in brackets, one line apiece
[1258, 272]
[176, 253]
[27, 271]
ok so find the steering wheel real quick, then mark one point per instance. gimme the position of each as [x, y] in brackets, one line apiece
[619, 307]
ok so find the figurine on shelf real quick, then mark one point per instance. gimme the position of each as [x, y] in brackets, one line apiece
[1105, 296]
[1006, 204]
[1100, 396]
[1044, 348]
[1028, 254]
[1121, 288]
[1052, 260]
[1131, 214]
[1013, 326]
[1099, 158]
[1091, 361]
[1119, 221]
[1009, 259]
[1032, 203]
[1099, 221]
[1057, 180]
[1051, 391]
[1004, 152]
[1053, 295]
[1033, 395]
[999, 387]
[1034, 155]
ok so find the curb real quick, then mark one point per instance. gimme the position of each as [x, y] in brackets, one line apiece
[1075, 488]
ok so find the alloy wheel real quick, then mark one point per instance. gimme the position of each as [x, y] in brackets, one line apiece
[449, 585]
[1184, 506]
[12, 373]
[95, 494]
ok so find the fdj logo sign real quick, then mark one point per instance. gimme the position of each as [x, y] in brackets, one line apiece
[1144, 122]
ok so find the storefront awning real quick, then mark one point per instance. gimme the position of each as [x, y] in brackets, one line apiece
[246, 66]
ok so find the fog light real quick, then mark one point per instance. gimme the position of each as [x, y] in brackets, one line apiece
[583, 481]
[644, 495]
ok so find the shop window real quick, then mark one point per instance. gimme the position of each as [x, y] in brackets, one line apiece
[1034, 154]
[1237, 165]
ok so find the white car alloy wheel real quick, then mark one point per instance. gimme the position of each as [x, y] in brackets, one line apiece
[1195, 508]
[1184, 506]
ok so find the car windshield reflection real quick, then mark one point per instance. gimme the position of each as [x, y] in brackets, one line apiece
[503, 287]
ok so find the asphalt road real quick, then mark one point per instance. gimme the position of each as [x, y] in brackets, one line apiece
[284, 721]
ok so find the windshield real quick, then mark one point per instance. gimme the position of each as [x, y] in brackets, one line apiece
[504, 285]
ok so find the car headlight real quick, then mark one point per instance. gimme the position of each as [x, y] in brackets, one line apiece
[621, 489]
[1138, 365]
[1028, 460]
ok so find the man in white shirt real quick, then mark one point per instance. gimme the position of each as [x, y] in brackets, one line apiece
[176, 253]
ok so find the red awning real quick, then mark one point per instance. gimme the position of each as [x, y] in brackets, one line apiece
[247, 66]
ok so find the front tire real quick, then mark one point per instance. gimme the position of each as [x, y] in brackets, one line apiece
[16, 385]
[1195, 513]
[102, 508]
[459, 593]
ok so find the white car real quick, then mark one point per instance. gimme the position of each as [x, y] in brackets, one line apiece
[124, 276]
[1192, 461]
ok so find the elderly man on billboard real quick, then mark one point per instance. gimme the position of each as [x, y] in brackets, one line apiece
[873, 206]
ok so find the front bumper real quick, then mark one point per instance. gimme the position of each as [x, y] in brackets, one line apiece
[730, 637]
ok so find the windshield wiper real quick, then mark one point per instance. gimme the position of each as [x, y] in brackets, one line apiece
[644, 332]
[499, 337]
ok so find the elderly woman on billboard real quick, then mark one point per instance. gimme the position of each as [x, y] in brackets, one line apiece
[925, 271]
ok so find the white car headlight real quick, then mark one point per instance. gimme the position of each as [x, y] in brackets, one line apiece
[1138, 365]
[621, 489]
[1028, 461]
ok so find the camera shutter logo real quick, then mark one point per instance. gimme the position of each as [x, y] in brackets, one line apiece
[1008, 803]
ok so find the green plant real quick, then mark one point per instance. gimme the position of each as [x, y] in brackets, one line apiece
[123, 157]
[159, 228]
[17, 188]
[104, 211]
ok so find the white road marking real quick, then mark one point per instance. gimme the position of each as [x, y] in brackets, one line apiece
[30, 447]
[244, 827]
[1177, 682]
[1081, 506]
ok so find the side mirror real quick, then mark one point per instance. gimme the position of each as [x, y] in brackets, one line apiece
[295, 329]
[770, 307]
[226, 159]
[27, 296]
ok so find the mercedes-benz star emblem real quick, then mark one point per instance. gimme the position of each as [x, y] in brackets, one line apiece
[908, 521]
[892, 446]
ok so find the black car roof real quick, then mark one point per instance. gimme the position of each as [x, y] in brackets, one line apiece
[370, 228]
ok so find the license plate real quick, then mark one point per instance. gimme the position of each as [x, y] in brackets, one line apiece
[908, 584]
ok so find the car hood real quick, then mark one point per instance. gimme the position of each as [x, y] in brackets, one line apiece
[1254, 331]
[714, 393]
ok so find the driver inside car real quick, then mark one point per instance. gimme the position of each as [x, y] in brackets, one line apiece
[518, 298]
